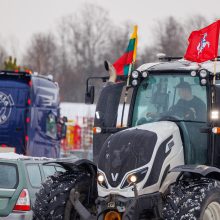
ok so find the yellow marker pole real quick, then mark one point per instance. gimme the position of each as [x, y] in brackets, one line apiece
[214, 78]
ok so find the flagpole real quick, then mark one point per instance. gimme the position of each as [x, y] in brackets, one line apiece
[214, 78]
[129, 74]
[126, 93]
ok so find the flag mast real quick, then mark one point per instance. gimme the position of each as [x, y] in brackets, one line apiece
[214, 78]
[129, 73]
[123, 66]
[216, 58]
[126, 93]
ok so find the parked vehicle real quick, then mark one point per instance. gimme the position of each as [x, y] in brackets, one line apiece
[30, 120]
[20, 179]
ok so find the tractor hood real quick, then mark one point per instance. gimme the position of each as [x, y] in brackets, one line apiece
[134, 148]
[126, 151]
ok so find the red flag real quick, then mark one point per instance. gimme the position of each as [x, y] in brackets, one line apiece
[203, 44]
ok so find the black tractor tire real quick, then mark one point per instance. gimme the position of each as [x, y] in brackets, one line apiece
[52, 200]
[191, 200]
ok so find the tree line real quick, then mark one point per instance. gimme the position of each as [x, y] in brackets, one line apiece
[82, 41]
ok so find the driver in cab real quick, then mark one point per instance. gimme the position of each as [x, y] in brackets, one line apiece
[188, 106]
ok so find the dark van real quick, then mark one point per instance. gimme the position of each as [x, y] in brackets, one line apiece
[29, 114]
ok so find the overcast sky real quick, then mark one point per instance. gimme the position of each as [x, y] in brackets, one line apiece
[19, 19]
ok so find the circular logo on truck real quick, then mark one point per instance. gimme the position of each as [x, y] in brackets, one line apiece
[6, 103]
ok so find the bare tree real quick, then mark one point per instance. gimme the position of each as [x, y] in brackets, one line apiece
[85, 40]
[169, 37]
[148, 54]
[3, 56]
[41, 54]
[194, 23]
[117, 41]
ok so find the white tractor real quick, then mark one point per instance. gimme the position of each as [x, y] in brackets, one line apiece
[164, 164]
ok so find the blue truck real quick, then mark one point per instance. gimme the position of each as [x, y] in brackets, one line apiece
[30, 122]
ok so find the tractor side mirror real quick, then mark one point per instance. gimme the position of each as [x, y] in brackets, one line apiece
[90, 94]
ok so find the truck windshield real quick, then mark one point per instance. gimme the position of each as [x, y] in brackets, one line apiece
[178, 96]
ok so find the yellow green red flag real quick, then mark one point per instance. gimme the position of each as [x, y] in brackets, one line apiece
[122, 65]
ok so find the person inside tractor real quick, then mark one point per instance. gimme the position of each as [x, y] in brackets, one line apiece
[189, 106]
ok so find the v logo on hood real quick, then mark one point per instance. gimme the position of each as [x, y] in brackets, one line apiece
[114, 177]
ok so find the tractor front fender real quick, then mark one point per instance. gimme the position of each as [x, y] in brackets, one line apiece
[203, 170]
[71, 164]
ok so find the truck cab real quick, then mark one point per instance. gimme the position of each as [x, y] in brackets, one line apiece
[29, 114]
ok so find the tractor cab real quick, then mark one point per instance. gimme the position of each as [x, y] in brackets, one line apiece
[179, 91]
[177, 97]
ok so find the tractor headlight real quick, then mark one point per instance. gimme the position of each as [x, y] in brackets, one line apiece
[203, 73]
[101, 180]
[193, 73]
[134, 82]
[214, 115]
[135, 177]
[203, 82]
[135, 74]
[132, 178]
[144, 74]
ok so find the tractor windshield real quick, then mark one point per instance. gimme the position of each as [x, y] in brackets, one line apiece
[179, 98]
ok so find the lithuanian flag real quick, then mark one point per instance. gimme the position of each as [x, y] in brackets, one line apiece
[124, 64]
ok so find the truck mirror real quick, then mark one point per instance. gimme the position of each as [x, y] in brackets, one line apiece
[63, 131]
[65, 119]
[62, 128]
[90, 93]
